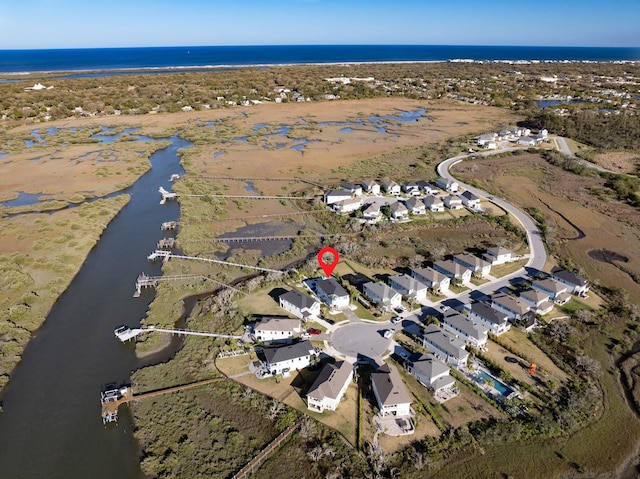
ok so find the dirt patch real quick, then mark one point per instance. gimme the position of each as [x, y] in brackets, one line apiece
[619, 161]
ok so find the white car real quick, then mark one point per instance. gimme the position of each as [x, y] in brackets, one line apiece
[396, 320]
[388, 333]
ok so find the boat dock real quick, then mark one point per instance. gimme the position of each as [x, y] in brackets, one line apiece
[166, 243]
[112, 399]
[169, 225]
[124, 333]
[145, 281]
[166, 195]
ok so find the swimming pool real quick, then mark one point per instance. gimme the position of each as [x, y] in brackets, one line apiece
[498, 385]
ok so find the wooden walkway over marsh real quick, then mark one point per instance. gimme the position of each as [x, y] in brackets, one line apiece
[126, 395]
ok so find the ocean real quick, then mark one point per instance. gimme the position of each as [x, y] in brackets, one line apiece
[109, 59]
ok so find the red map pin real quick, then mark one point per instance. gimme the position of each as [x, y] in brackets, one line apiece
[328, 268]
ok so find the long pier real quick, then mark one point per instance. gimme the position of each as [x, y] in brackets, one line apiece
[229, 178]
[256, 239]
[166, 255]
[124, 333]
[112, 399]
[145, 281]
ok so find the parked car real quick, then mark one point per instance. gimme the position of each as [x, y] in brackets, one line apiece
[388, 333]
[396, 320]
[314, 331]
[305, 335]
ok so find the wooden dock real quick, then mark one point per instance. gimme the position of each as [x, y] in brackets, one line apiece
[145, 281]
[169, 225]
[166, 243]
[229, 178]
[112, 399]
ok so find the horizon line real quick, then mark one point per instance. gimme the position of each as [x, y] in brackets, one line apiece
[627, 47]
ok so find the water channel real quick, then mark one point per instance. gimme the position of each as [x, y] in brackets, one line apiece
[51, 425]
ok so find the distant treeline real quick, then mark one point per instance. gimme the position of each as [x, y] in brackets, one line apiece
[598, 129]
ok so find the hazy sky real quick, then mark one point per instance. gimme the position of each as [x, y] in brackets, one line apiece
[120, 23]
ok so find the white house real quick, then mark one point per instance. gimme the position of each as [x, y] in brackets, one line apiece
[527, 141]
[438, 282]
[408, 286]
[300, 305]
[334, 196]
[390, 392]
[512, 307]
[470, 200]
[453, 270]
[289, 358]
[351, 188]
[537, 301]
[453, 202]
[332, 293]
[415, 206]
[575, 284]
[498, 255]
[372, 213]
[482, 313]
[328, 389]
[399, 211]
[411, 188]
[427, 187]
[464, 328]
[382, 295]
[432, 374]
[445, 346]
[347, 206]
[488, 141]
[447, 185]
[270, 330]
[556, 291]
[434, 204]
[390, 187]
[371, 187]
[478, 267]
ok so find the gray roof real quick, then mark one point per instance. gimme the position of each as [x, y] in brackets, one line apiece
[510, 303]
[534, 296]
[452, 198]
[471, 260]
[432, 200]
[286, 353]
[451, 267]
[390, 387]
[429, 274]
[549, 285]
[428, 365]
[444, 341]
[465, 325]
[381, 290]
[299, 300]
[398, 207]
[569, 277]
[337, 193]
[330, 380]
[488, 313]
[349, 186]
[407, 282]
[368, 183]
[414, 203]
[331, 287]
[277, 324]
[498, 251]
[388, 183]
[470, 196]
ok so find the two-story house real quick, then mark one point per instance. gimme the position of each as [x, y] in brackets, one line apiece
[482, 313]
[464, 328]
[330, 292]
[328, 389]
[289, 358]
[408, 286]
[445, 346]
[270, 330]
[434, 280]
[300, 305]
[390, 392]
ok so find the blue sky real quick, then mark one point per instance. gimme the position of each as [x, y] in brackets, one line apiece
[119, 23]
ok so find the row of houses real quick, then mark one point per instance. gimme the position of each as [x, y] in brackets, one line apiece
[496, 315]
[521, 136]
[349, 197]
[436, 279]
